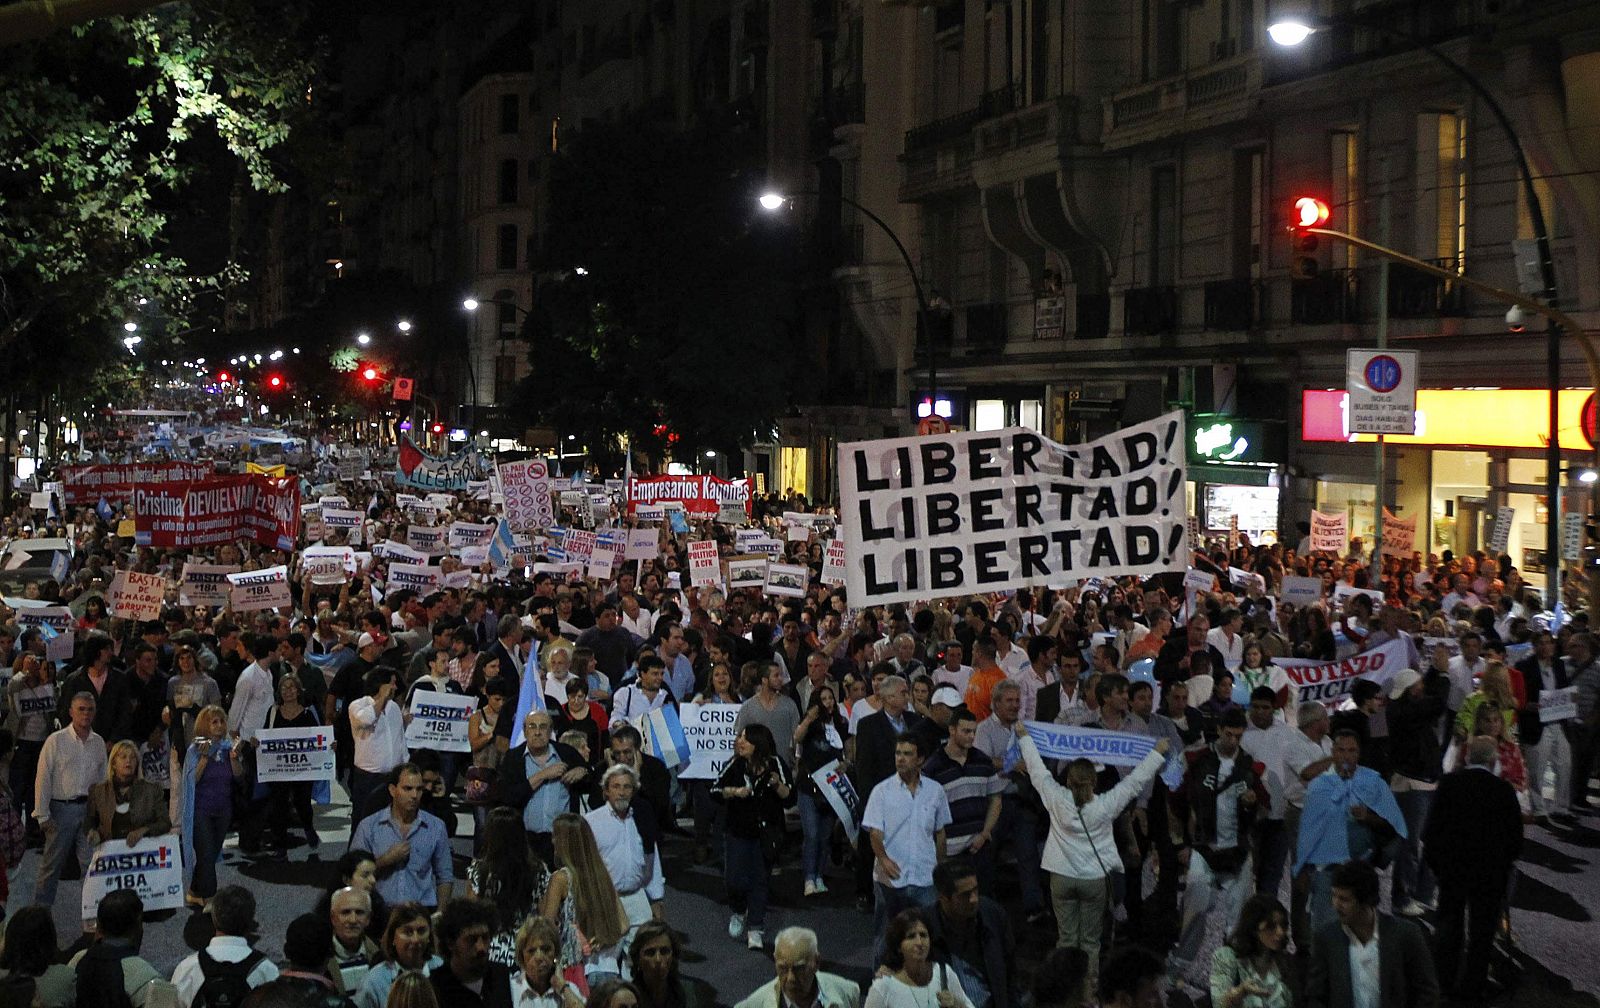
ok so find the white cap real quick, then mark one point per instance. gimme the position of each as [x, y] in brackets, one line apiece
[1403, 680]
[365, 640]
[949, 696]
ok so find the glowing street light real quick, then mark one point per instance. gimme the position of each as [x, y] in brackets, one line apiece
[363, 338]
[1289, 32]
[470, 304]
[130, 326]
[404, 325]
[773, 201]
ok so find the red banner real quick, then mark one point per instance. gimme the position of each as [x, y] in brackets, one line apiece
[212, 512]
[702, 495]
[86, 484]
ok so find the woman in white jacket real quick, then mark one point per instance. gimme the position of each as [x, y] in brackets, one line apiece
[1081, 850]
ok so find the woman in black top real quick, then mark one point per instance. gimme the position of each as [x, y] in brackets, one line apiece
[754, 788]
[821, 738]
[284, 795]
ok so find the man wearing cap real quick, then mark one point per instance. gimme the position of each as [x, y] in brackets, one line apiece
[935, 728]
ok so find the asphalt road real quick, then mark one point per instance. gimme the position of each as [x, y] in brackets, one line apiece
[1553, 912]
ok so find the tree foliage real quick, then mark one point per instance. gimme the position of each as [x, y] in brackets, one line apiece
[682, 319]
[106, 131]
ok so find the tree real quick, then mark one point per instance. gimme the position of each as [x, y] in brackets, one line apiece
[670, 310]
[106, 133]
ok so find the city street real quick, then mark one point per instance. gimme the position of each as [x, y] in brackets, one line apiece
[1552, 913]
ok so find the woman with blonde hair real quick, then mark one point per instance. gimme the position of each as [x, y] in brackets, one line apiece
[125, 806]
[1494, 686]
[412, 990]
[583, 904]
[209, 772]
[538, 981]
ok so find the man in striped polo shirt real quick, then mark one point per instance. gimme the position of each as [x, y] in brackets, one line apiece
[973, 786]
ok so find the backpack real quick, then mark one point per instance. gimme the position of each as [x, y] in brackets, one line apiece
[226, 984]
[100, 977]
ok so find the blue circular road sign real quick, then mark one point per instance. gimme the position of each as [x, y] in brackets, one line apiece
[1383, 373]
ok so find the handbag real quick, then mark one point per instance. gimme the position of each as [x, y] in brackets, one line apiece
[481, 783]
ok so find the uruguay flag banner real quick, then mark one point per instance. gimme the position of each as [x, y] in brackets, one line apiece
[664, 738]
[530, 697]
[1110, 748]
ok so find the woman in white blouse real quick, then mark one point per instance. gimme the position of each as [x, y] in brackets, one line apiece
[917, 981]
[539, 982]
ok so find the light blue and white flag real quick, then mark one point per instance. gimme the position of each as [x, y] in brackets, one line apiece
[1111, 748]
[501, 545]
[530, 696]
[664, 738]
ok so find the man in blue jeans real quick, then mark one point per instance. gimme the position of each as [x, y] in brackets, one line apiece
[1349, 814]
[905, 819]
[72, 761]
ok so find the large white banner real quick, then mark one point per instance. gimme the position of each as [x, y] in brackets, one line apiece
[1331, 681]
[294, 754]
[439, 721]
[136, 596]
[988, 511]
[267, 588]
[709, 730]
[153, 868]
[526, 487]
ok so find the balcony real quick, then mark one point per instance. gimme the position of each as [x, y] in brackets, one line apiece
[1207, 96]
[1414, 295]
[994, 103]
[1094, 316]
[1234, 305]
[1329, 298]
[1150, 311]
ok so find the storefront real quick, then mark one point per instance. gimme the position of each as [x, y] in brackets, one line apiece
[1474, 451]
[1236, 470]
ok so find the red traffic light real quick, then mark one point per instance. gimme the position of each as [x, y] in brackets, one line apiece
[437, 428]
[275, 382]
[224, 377]
[1309, 212]
[369, 373]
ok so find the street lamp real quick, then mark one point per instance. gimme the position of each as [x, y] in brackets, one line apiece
[1293, 31]
[404, 325]
[772, 201]
[363, 338]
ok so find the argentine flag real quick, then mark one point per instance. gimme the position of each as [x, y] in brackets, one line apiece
[530, 697]
[664, 738]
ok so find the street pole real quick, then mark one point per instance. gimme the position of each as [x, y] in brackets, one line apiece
[1383, 344]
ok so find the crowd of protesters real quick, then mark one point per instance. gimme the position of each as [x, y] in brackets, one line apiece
[1411, 792]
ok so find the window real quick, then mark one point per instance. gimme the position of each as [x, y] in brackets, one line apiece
[505, 377]
[510, 113]
[1442, 167]
[505, 256]
[508, 180]
[505, 307]
[988, 414]
[1247, 213]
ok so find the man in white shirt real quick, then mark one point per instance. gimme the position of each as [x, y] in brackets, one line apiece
[635, 872]
[1228, 638]
[1366, 959]
[1305, 755]
[378, 727]
[951, 672]
[233, 914]
[1011, 659]
[636, 619]
[1265, 739]
[1464, 670]
[905, 819]
[252, 695]
[72, 761]
[1039, 673]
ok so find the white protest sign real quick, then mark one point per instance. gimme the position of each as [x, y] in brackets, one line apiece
[267, 588]
[137, 596]
[579, 544]
[439, 721]
[1328, 533]
[205, 584]
[840, 793]
[643, 544]
[1343, 593]
[797, 533]
[1301, 591]
[1196, 580]
[787, 579]
[1382, 387]
[464, 534]
[60, 638]
[336, 519]
[428, 541]
[742, 538]
[473, 556]
[390, 550]
[311, 518]
[1572, 536]
[442, 501]
[703, 567]
[990, 511]
[747, 574]
[1246, 579]
[1558, 705]
[526, 488]
[459, 579]
[334, 501]
[151, 868]
[710, 733]
[1500, 537]
[602, 559]
[772, 548]
[1329, 682]
[420, 578]
[294, 754]
[833, 569]
[1399, 535]
[328, 565]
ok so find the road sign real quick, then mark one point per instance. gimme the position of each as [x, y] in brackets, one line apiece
[1383, 391]
[403, 388]
[1587, 419]
[933, 425]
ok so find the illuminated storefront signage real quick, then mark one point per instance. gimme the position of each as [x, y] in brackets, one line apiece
[1481, 418]
[1226, 440]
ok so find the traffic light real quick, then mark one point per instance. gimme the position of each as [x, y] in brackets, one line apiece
[224, 377]
[369, 373]
[437, 427]
[275, 383]
[1306, 212]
